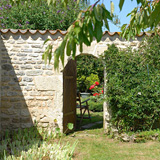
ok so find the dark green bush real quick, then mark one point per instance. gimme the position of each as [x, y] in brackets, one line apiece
[134, 85]
[37, 15]
[86, 66]
[96, 106]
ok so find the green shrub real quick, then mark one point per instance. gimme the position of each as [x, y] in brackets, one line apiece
[87, 65]
[95, 106]
[90, 80]
[134, 85]
[35, 15]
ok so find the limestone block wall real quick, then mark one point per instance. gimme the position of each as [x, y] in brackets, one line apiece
[108, 38]
[31, 90]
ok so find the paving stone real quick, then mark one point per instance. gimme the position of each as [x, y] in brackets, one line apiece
[87, 126]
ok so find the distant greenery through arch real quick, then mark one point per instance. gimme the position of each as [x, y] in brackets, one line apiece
[88, 67]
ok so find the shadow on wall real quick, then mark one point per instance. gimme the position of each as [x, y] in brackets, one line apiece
[14, 113]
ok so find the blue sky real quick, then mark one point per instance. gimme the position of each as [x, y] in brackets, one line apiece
[127, 7]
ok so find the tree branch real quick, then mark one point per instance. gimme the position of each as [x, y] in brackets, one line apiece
[94, 4]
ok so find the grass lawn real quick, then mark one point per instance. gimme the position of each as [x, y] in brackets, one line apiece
[94, 145]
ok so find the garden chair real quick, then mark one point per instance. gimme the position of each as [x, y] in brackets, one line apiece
[83, 106]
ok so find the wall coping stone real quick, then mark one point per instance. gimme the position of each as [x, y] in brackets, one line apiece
[53, 32]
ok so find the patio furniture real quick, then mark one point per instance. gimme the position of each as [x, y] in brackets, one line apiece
[83, 106]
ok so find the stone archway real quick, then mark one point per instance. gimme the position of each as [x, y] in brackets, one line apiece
[88, 64]
[97, 49]
[41, 86]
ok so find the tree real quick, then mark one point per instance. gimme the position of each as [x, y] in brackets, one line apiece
[90, 21]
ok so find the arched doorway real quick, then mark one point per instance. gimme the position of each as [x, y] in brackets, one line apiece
[90, 70]
[70, 92]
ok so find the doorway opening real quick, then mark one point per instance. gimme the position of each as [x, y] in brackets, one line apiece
[90, 83]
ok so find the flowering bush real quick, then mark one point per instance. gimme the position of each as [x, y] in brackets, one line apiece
[91, 71]
[35, 15]
[133, 86]
[96, 89]
[90, 80]
[96, 101]
[97, 83]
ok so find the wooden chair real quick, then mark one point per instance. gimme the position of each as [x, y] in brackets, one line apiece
[83, 106]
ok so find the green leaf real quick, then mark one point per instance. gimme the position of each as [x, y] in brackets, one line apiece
[49, 2]
[50, 53]
[155, 13]
[141, 18]
[105, 12]
[106, 24]
[124, 26]
[90, 28]
[121, 4]
[79, 15]
[99, 11]
[70, 126]
[98, 31]
[96, 14]
[61, 48]
[85, 39]
[77, 29]
[140, 1]
[68, 49]
[73, 49]
[157, 20]
[65, 3]
[112, 8]
[57, 130]
[45, 55]
[46, 41]
[145, 17]
[56, 58]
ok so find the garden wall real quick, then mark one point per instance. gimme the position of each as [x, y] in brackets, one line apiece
[31, 90]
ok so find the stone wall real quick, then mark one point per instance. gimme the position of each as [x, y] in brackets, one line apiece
[31, 90]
